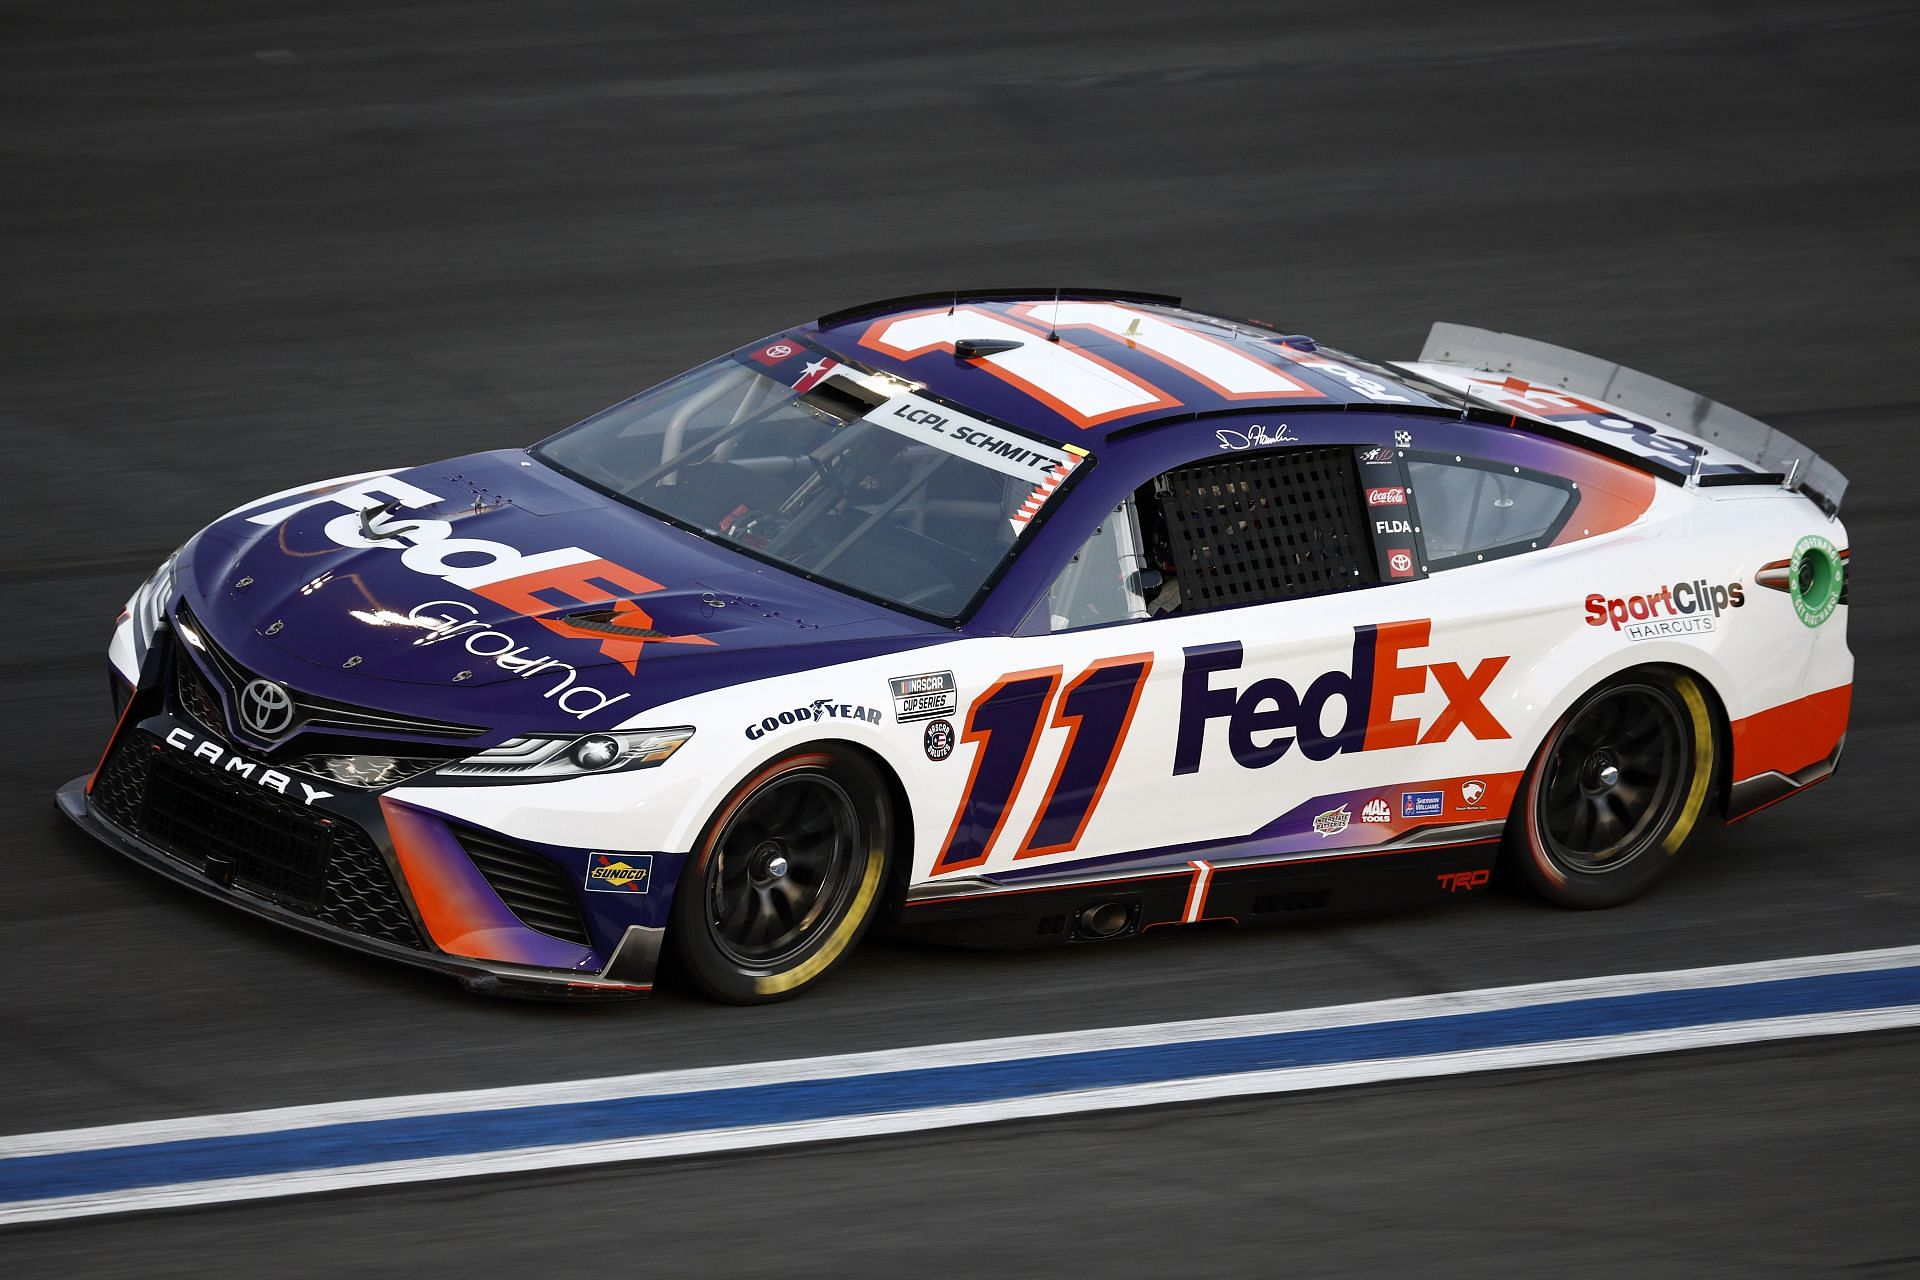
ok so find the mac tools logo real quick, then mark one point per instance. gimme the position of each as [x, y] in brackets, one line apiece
[505, 575]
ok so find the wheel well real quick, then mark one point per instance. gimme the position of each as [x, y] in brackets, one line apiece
[1721, 785]
[1721, 788]
[900, 867]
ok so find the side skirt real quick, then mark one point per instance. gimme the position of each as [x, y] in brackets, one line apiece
[1764, 790]
[981, 913]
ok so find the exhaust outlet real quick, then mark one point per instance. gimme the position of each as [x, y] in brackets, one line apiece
[1102, 921]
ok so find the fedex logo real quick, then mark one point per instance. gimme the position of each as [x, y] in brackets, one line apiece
[1267, 717]
[525, 583]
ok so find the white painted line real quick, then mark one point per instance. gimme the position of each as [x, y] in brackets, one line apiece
[1286, 1080]
[964, 1053]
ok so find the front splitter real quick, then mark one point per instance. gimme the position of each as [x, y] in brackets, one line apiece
[628, 973]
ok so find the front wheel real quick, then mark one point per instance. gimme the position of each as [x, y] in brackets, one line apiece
[785, 878]
[1615, 790]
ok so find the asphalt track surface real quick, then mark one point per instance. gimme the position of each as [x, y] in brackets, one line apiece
[242, 246]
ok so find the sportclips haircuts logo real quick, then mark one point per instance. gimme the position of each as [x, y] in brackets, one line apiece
[1685, 608]
[1267, 717]
[505, 575]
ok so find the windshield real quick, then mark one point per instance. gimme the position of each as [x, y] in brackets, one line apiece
[845, 475]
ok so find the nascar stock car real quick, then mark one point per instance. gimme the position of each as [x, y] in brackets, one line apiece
[1005, 618]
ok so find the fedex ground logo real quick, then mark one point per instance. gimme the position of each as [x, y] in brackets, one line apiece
[619, 872]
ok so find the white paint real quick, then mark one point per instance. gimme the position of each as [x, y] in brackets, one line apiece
[1285, 1080]
[745, 1075]
[1082, 388]
[1229, 371]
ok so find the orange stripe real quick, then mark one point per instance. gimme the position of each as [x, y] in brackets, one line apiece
[1791, 736]
[113, 737]
[1197, 893]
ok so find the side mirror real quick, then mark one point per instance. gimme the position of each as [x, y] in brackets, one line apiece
[1144, 582]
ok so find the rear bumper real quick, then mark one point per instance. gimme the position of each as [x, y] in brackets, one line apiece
[628, 972]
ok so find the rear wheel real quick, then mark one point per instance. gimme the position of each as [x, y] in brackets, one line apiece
[1615, 790]
[785, 878]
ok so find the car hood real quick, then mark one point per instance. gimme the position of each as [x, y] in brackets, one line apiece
[516, 594]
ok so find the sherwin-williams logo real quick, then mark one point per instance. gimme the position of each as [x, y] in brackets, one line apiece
[1422, 804]
[619, 872]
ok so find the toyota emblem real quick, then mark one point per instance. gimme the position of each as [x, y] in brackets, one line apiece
[266, 708]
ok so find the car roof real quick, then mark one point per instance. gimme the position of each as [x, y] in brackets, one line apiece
[1080, 366]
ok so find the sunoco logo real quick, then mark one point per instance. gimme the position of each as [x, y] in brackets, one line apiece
[619, 872]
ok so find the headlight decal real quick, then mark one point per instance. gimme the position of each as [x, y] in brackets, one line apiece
[555, 756]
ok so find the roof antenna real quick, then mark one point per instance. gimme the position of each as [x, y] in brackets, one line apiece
[955, 304]
[1053, 325]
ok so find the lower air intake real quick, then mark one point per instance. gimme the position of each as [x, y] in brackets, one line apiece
[538, 893]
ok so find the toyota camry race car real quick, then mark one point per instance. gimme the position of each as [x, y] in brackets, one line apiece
[1006, 619]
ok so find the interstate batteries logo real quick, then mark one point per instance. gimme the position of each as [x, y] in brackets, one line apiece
[1685, 608]
[619, 872]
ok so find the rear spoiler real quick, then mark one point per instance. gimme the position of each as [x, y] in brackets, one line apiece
[1698, 441]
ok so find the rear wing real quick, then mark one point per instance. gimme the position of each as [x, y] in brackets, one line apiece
[1669, 430]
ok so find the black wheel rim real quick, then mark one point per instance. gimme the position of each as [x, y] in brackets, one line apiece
[1615, 779]
[783, 869]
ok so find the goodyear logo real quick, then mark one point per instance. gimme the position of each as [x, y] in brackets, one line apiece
[619, 872]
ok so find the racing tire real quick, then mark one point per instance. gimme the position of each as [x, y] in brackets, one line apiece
[785, 878]
[1615, 790]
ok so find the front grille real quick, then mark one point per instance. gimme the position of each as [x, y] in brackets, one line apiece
[191, 695]
[271, 851]
[534, 889]
[310, 712]
[323, 868]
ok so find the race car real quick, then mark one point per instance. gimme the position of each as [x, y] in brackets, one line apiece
[1004, 618]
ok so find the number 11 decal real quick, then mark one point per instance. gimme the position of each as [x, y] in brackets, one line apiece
[1005, 724]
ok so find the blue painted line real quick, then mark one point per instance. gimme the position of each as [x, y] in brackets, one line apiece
[29, 1178]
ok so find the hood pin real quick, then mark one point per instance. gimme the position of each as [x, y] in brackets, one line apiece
[274, 630]
[352, 662]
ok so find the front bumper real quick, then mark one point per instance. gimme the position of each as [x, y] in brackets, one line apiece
[628, 972]
[354, 867]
